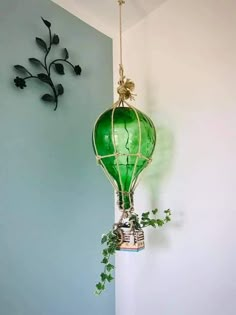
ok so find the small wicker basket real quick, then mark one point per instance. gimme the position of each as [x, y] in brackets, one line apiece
[133, 240]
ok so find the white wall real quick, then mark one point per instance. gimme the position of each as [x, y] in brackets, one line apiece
[183, 60]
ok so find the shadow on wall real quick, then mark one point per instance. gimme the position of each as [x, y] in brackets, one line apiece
[155, 175]
[161, 163]
[160, 170]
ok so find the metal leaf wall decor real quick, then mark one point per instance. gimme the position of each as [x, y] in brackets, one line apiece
[45, 67]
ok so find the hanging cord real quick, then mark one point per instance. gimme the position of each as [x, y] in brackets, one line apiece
[125, 87]
[121, 2]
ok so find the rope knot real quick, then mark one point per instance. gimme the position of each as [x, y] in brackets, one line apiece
[125, 89]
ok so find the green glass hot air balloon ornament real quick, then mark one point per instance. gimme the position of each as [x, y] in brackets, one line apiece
[124, 139]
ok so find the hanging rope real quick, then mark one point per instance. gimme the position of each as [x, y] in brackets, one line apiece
[125, 87]
[121, 2]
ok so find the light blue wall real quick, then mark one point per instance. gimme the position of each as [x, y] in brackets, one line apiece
[54, 201]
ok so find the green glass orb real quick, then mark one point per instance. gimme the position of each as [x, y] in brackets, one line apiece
[124, 140]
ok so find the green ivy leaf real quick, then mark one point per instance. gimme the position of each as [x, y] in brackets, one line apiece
[59, 68]
[47, 23]
[99, 286]
[104, 239]
[152, 223]
[103, 277]
[112, 249]
[41, 43]
[109, 267]
[104, 261]
[109, 278]
[145, 215]
[155, 211]
[105, 252]
[160, 222]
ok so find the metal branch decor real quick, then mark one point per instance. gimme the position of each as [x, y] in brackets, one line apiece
[45, 76]
[124, 139]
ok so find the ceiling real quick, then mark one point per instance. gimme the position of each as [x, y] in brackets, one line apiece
[103, 14]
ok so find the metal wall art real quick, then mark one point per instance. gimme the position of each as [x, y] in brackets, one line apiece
[45, 67]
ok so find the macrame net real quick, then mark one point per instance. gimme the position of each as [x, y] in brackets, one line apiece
[120, 160]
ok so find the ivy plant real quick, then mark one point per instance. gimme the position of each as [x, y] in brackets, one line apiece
[45, 67]
[111, 241]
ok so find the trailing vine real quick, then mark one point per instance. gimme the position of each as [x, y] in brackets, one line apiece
[46, 66]
[111, 240]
